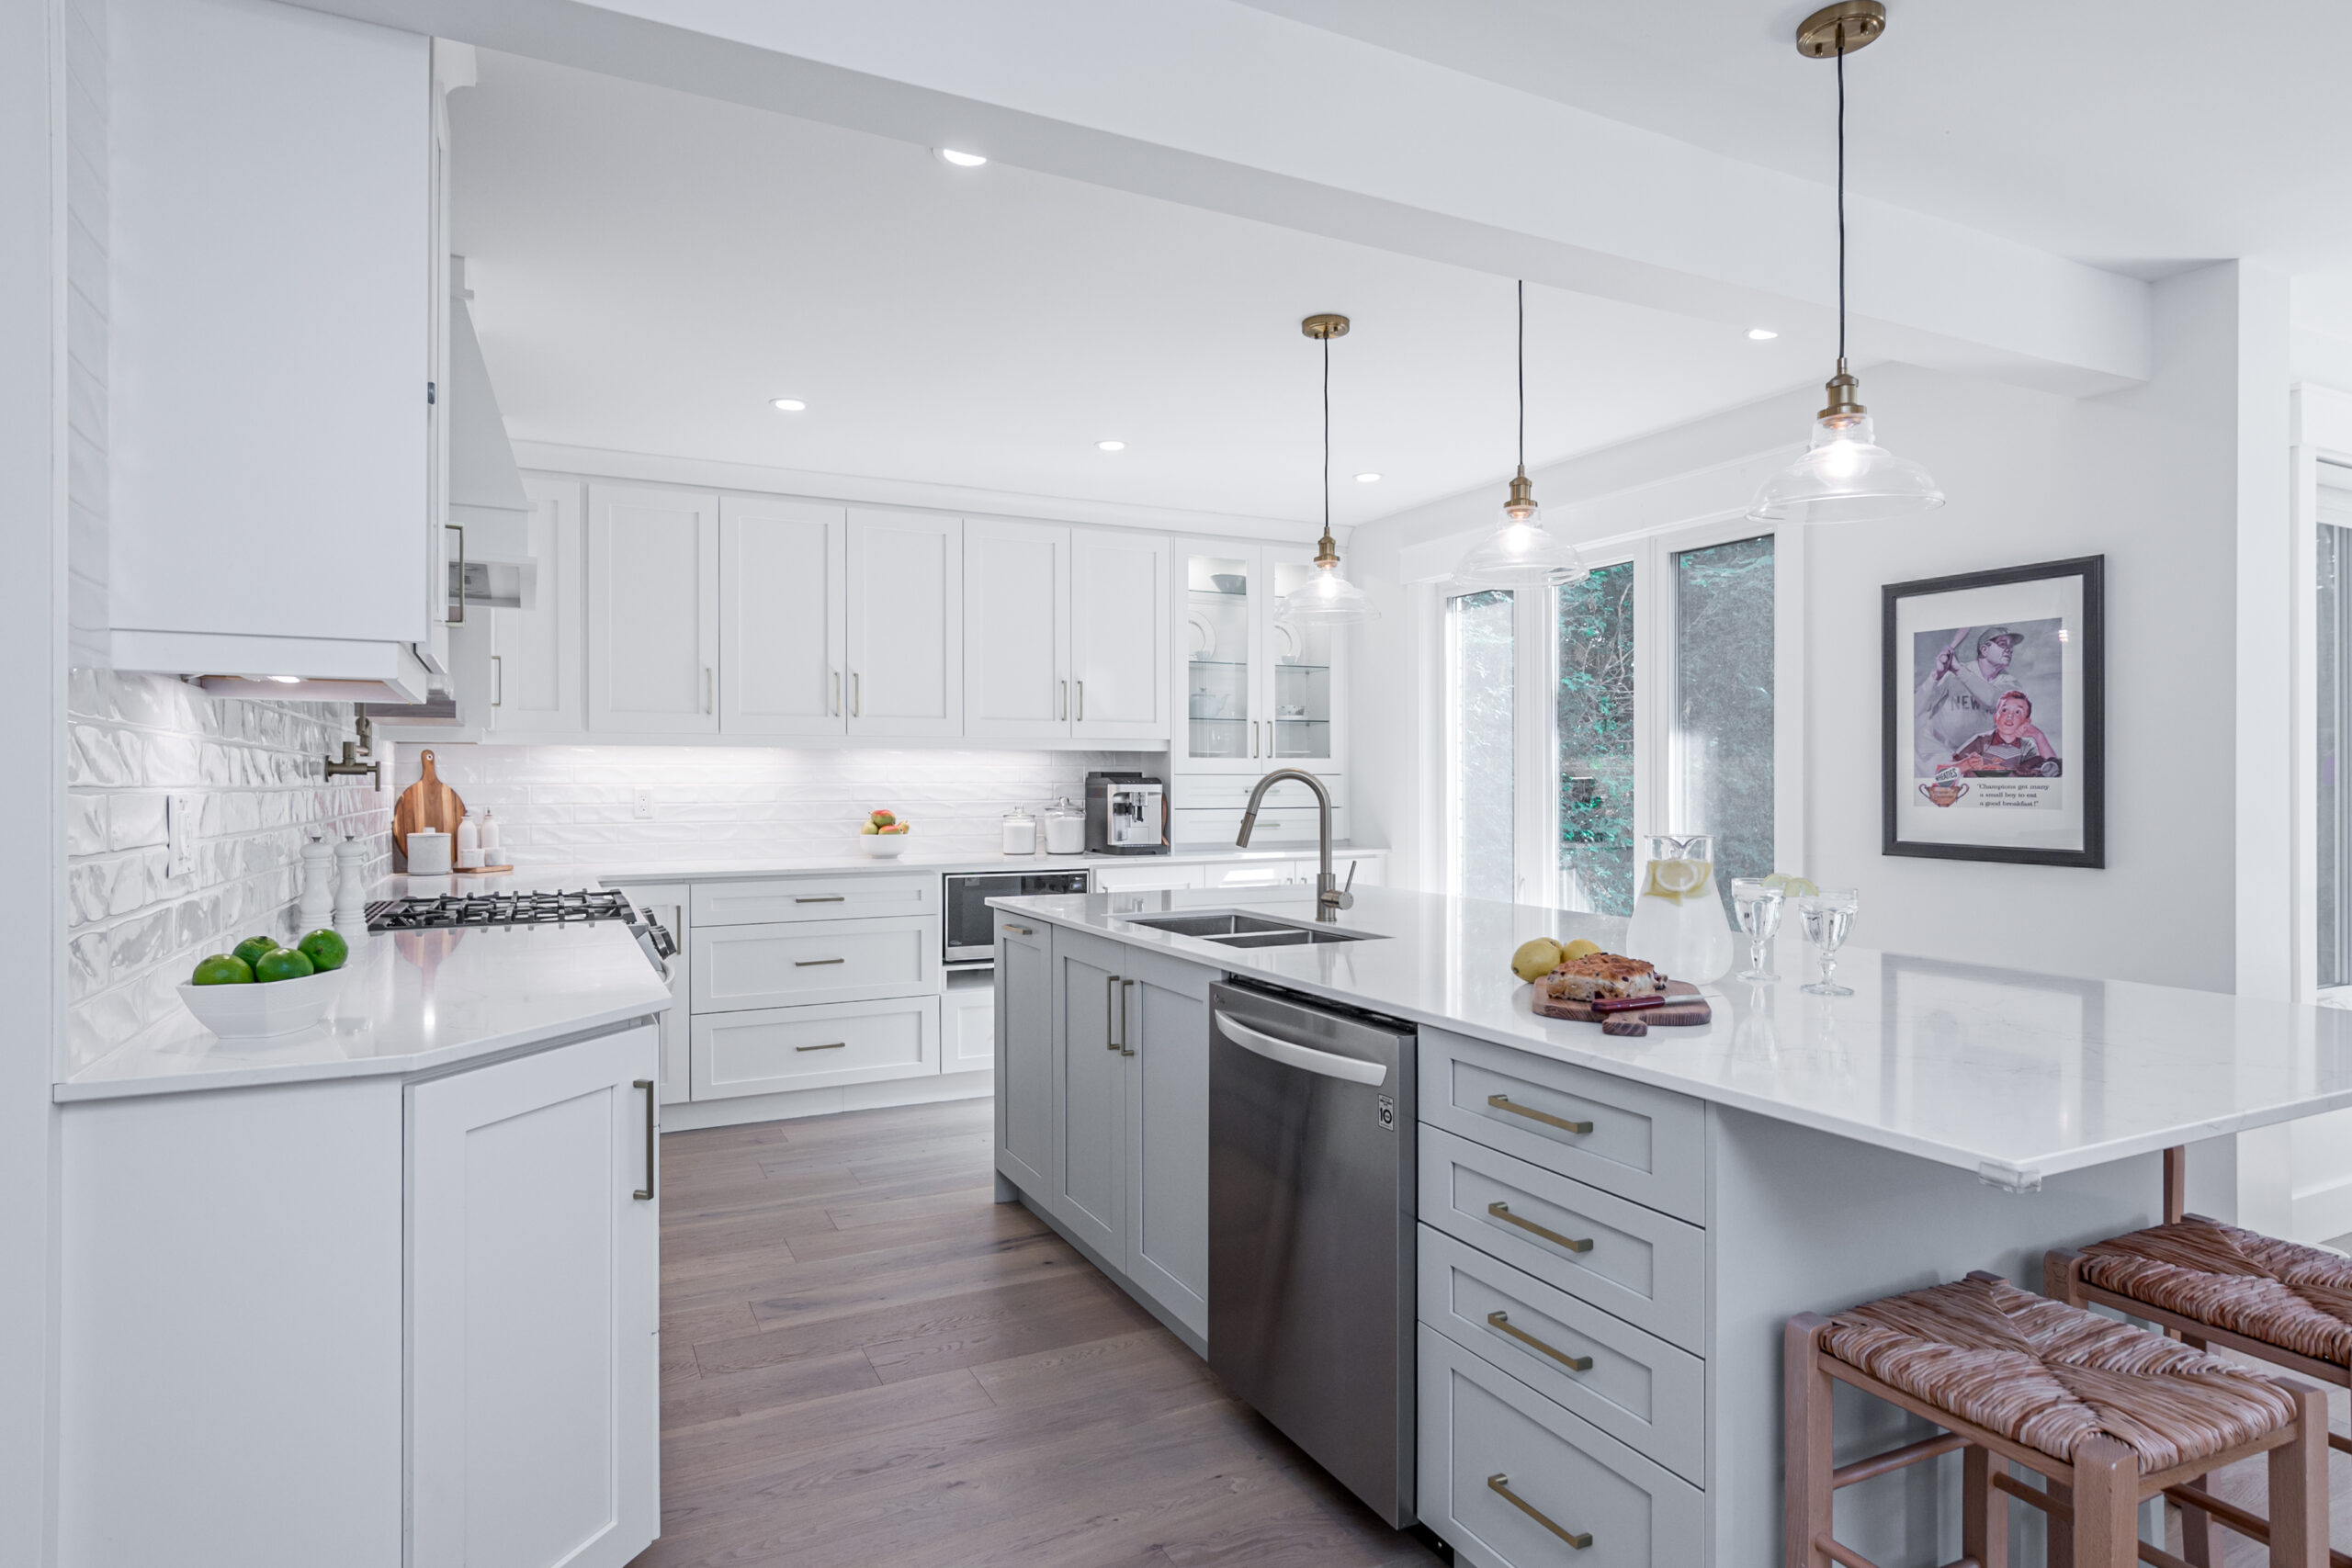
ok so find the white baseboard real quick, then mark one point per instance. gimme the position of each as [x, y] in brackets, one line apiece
[793, 1104]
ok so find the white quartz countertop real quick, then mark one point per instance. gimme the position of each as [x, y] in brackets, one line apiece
[2015, 1076]
[416, 1001]
[943, 860]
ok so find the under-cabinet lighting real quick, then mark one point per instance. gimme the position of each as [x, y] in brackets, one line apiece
[1110, 446]
[1367, 478]
[1761, 335]
[961, 160]
[787, 405]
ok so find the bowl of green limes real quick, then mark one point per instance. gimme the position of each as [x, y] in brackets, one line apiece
[260, 989]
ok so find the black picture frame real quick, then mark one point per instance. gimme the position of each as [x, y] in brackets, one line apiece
[2089, 766]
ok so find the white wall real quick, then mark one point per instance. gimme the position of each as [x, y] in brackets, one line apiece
[2150, 477]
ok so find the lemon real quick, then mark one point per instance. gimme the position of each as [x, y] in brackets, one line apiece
[222, 969]
[1675, 879]
[1791, 886]
[1535, 959]
[1580, 948]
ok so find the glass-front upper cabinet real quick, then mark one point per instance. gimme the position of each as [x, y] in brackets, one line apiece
[1218, 621]
[1299, 656]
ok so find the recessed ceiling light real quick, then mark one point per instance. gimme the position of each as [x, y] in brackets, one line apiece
[1367, 478]
[961, 160]
[1761, 335]
[788, 405]
[1110, 446]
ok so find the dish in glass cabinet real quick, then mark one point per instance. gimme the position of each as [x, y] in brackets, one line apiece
[1229, 582]
[1288, 635]
[1202, 635]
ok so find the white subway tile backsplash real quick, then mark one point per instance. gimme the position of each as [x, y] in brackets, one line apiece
[254, 770]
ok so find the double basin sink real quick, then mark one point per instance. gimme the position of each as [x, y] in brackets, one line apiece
[1231, 928]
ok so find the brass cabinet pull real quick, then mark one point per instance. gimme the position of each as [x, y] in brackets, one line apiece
[837, 1044]
[1574, 1363]
[1125, 1048]
[1502, 1102]
[818, 898]
[1110, 1011]
[1500, 1485]
[1019, 931]
[645, 1194]
[1502, 1211]
[816, 962]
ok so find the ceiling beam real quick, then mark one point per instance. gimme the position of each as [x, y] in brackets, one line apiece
[1223, 107]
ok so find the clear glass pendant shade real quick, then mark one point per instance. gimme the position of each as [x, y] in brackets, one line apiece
[1845, 477]
[1520, 553]
[1327, 598]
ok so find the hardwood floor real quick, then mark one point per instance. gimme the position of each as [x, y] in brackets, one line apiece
[866, 1361]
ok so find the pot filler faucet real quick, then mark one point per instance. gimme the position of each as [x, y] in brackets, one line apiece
[1329, 896]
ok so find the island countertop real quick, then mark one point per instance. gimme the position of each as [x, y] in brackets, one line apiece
[2012, 1075]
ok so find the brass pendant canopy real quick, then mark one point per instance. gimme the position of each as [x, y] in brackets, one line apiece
[1841, 28]
[1323, 327]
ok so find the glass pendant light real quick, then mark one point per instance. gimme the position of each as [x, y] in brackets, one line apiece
[1521, 552]
[1845, 476]
[1327, 598]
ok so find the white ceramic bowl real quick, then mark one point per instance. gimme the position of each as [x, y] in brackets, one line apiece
[885, 846]
[260, 1010]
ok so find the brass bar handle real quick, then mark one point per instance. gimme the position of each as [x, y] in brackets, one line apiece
[459, 618]
[1125, 1048]
[1502, 1211]
[819, 897]
[1500, 1485]
[1502, 1102]
[1109, 1010]
[1021, 930]
[829, 1046]
[1498, 1320]
[645, 1194]
[816, 962]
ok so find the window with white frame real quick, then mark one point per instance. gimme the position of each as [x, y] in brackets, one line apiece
[1647, 698]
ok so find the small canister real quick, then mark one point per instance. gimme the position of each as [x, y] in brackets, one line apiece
[1020, 832]
[428, 852]
[1065, 828]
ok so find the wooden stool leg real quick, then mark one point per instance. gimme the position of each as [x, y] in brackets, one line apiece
[1805, 1460]
[2062, 1538]
[2107, 1505]
[2299, 1486]
[1983, 1511]
[2196, 1531]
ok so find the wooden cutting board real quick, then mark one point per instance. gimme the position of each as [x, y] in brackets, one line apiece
[428, 804]
[1684, 1007]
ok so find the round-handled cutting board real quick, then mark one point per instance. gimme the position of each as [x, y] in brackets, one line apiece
[428, 804]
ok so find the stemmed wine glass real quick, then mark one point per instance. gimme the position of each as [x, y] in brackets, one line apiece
[1828, 917]
[1757, 905]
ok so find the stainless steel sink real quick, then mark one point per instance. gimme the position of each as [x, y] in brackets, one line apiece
[1231, 928]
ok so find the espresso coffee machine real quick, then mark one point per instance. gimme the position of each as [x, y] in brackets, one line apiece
[1127, 814]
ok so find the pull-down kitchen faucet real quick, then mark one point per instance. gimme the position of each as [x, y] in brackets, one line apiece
[1329, 896]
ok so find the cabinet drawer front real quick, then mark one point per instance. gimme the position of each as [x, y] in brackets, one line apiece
[1479, 1425]
[1145, 877]
[1635, 1386]
[1257, 872]
[1647, 1268]
[1231, 792]
[1645, 1144]
[1282, 826]
[843, 895]
[814, 961]
[813, 1047]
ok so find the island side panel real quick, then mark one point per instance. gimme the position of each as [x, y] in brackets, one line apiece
[1805, 1221]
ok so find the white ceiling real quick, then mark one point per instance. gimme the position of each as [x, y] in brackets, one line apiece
[650, 268]
[2140, 134]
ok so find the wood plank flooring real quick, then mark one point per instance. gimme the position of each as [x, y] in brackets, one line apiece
[866, 1361]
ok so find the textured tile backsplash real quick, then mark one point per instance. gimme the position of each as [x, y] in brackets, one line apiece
[254, 769]
[564, 806]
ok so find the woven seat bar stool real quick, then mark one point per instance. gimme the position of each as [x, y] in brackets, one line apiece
[2107, 1414]
[2218, 1286]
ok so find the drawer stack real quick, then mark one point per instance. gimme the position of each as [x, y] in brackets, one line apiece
[808, 982]
[1562, 1301]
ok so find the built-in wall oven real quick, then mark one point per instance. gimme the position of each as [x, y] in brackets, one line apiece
[970, 924]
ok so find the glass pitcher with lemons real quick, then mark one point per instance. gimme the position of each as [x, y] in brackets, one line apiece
[1679, 923]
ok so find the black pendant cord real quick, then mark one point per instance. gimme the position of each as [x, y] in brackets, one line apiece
[1841, 198]
[1522, 374]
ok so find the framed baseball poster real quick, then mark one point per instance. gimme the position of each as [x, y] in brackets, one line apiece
[1995, 730]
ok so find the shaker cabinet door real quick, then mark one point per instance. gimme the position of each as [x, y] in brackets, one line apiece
[535, 652]
[1025, 1056]
[1090, 1094]
[1118, 634]
[784, 573]
[1016, 629]
[534, 1276]
[906, 624]
[1166, 1022]
[653, 610]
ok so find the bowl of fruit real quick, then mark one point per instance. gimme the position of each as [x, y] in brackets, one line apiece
[261, 989]
[883, 836]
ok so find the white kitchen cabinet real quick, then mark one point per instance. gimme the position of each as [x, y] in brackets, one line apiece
[272, 269]
[792, 963]
[764, 1050]
[669, 904]
[1090, 1083]
[652, 591]
[1016, 628]
[1164, 1005]
[1149, 875]
[905, 624]
[535, 653]
[1119, 634]
[967, 1023]
[784, 575]
[1257, 692]
[1025, 1150]
[534, 1289]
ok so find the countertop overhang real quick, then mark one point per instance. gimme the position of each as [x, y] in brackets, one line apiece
[2015, 1076]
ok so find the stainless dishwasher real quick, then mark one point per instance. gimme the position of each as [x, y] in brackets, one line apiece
[1311, 1214]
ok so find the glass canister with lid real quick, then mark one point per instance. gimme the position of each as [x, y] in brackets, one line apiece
[1065, 828]
[1020, 832]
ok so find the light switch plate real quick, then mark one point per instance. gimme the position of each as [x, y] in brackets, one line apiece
[179, 835]
[644, 812]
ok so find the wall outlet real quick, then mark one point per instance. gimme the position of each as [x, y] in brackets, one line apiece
[644, 811]
[179, 834]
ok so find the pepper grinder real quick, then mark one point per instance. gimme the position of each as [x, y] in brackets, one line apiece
[350, 892]
[316, 907]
